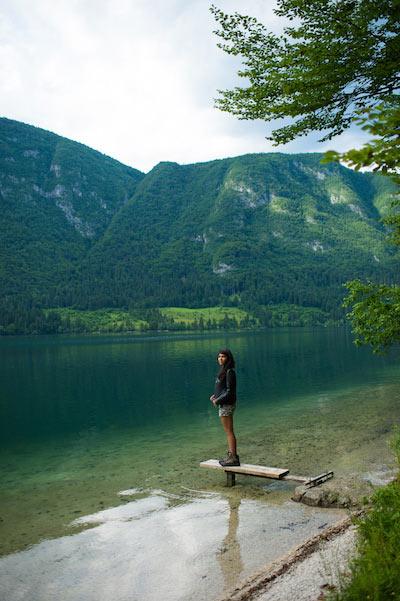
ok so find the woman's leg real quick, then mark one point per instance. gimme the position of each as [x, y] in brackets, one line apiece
[227, 424]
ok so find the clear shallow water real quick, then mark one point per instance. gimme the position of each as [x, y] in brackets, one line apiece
[150, 549]
[83, 418]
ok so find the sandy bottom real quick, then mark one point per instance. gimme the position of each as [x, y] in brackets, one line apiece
[161, 546]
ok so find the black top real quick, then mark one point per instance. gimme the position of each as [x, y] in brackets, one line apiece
[225, 388]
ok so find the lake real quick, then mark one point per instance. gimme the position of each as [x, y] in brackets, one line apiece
[86, 417]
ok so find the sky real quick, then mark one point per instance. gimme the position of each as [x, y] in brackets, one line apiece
[133, 79]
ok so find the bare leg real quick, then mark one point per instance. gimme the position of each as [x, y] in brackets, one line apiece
[227, 424]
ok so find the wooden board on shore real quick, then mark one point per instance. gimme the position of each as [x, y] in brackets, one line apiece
[247, 468]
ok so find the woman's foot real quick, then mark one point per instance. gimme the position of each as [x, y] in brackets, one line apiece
[231, 460]
[228, 455]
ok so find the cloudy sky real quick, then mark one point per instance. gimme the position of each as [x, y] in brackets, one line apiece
[133, 79]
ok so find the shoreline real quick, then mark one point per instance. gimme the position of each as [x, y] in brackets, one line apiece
[177, 332]
[320, 564]
[307, 565]
[67, 320]
[261, 584]
[158, 547]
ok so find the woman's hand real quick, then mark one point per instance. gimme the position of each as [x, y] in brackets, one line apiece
[212, 399]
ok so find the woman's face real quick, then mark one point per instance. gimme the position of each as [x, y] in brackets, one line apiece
[222, 359]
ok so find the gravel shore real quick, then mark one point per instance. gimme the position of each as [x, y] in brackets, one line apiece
[307, 572]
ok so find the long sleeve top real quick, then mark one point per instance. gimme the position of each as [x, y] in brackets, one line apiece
[225, 388]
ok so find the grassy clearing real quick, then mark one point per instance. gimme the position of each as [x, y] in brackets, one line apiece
[208, 315]
[67, 320]
[167, 318]
[375, 572]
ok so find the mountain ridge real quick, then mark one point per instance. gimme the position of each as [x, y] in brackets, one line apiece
[80, 229]
[56, 196]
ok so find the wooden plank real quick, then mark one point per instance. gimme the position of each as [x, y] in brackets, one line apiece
[248, 469]
[264, 472]
[294, 478]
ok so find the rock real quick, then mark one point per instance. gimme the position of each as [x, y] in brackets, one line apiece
[298, 493]
[314, 497]
[321, 497]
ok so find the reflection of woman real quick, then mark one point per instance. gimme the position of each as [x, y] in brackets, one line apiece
[228, 556]
[225, 397]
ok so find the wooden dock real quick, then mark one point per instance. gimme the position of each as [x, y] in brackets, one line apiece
[262, 471]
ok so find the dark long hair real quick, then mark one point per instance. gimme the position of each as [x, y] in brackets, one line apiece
[228, 365]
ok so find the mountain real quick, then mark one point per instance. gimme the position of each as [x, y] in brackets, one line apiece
[57, 198]
[80, 229]
[252, 230]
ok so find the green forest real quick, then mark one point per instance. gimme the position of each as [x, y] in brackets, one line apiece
[261, 240]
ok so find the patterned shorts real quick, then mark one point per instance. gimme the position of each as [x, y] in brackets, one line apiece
[226, 410]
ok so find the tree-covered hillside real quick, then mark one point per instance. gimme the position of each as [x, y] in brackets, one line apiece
[252, 230]
[80, 230]
[56, 197]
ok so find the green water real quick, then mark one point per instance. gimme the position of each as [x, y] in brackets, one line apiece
[83, 418]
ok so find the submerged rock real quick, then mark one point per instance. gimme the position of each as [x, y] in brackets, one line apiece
[323, 497]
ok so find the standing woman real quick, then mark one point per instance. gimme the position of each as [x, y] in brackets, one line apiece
[225, 397]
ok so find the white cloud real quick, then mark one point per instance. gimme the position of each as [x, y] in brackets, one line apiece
[133, 79]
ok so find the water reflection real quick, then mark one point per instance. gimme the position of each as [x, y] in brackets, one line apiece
[228, 556]
[149, 551]
[51, 387]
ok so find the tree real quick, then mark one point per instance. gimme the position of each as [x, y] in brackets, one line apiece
[375, 308]
[340, 56]
[337, 65]
[382, 153]
[375, 314]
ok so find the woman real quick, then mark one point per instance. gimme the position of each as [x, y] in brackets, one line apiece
[225, 397]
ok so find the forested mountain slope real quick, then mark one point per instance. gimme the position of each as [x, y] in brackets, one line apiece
[80, 229]
[57, 197]
[256, 229]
